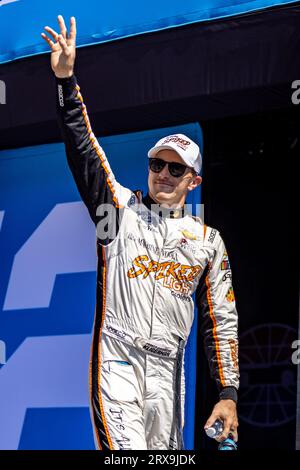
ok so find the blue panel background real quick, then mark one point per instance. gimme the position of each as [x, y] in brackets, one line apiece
[44, 382]
[62, 429]
[105, 21]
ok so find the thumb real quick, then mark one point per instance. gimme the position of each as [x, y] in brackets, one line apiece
[213, 417]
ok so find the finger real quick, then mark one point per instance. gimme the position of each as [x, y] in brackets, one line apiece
[63, 43]
[234, 435]
[48, 40]
[211, 420]
[51, 31]
[73, 30]
[62, 26]
[224, 435]
[233, 430]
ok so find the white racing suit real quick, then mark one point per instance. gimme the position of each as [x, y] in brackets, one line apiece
[150, 262]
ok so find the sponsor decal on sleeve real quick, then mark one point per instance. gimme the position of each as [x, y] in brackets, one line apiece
[225, 265]
[234, 352]
[60, 96]
[227, 276]
[230, 295]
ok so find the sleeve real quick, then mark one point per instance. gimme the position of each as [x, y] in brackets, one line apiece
[88, 163]
[218, 317]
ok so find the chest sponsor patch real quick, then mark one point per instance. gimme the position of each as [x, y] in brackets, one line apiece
[187, 246]
[152, 247]
[180, 272]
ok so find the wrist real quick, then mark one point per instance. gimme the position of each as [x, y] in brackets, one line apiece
[229, 393]
[64, 75]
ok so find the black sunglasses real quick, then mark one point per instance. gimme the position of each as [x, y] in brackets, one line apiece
[175, 169]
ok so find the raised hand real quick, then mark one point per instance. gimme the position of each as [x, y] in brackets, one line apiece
[63, 50]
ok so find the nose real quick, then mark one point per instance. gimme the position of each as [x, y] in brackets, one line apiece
[165, 172]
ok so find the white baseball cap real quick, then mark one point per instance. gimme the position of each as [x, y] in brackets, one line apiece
[186, 148]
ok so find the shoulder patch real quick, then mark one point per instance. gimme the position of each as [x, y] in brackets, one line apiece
[136, 197]
[132, 200]
[212, 235]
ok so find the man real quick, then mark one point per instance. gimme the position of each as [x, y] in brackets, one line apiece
[151, 260]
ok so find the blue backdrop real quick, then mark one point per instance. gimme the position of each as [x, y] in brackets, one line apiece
[47, 292]
[22, 21]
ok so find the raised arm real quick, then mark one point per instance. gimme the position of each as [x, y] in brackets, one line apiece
[87, 160]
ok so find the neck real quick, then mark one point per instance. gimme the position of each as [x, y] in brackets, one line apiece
[164, 210]
[166, 205]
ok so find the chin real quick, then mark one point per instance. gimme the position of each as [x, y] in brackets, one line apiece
[161, 196]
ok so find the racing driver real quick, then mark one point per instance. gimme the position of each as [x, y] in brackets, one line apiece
[152, 256]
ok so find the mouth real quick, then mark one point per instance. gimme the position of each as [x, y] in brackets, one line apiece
[161, 183]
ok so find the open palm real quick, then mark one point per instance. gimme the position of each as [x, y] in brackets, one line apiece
[63, 48]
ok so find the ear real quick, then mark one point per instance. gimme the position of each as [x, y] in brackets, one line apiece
[195, 182]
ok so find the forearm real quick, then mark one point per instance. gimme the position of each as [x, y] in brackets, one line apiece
[86, 158]
[219, 320]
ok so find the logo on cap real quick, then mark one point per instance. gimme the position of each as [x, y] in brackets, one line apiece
[182, 143]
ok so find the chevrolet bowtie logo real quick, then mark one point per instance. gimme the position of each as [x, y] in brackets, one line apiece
[189, 235]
